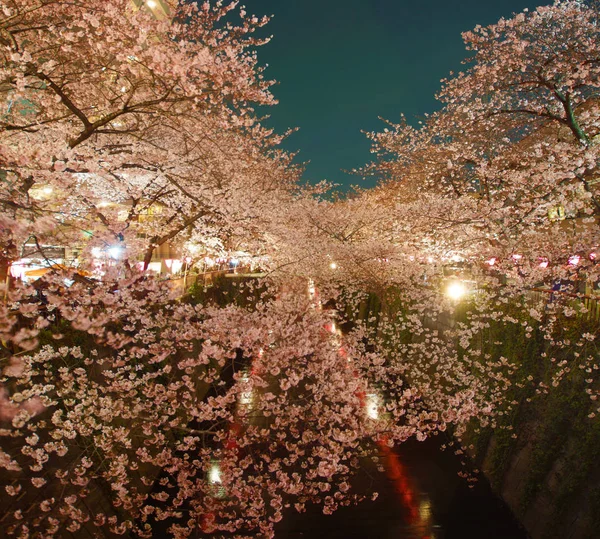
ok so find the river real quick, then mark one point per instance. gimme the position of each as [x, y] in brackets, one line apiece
[420, 497]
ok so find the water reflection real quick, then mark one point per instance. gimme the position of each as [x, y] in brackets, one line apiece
[420, 497]
[214, 475]
[420, 493]
[425, 511]
[246, 396]
[414, 503]
[215, 482]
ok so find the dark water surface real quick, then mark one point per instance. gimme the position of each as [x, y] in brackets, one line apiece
[420, 497]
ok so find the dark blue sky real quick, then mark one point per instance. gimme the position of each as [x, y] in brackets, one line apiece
[341, 64]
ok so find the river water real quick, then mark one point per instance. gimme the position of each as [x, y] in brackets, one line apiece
[420, 497]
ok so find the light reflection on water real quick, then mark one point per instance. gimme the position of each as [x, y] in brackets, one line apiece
[420, 497]
[246, 398]
[413, 502]
[411, 506]
[420, 493]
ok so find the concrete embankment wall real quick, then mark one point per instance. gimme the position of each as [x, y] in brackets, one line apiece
[549, 476]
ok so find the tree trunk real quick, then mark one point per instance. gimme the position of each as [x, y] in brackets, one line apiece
[148, 254]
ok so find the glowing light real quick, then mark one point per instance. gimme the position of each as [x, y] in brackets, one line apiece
[544, 263]
[246, 397]
[103, 204]
[151, 4]
[430, 259]
[18, 270]
[311, 288]
[517, 257]
[176, 266]
[492, 261]
[372, 406]
[115, 251]
[154, 266]
[574, 260]
[425, 510]
[123, 89]
[214, 474]
[456, 290]
[47, 190]
[96, 252]
[333, 266]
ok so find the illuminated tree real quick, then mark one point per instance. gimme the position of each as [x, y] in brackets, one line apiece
[111, 115]
[516, 134]
[126, 408]
[495, 203]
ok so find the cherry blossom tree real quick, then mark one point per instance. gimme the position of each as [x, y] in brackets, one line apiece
[111, 115]
[535, 69]
[145, 409]
[126, 409]
[516, 134]
[496, 195]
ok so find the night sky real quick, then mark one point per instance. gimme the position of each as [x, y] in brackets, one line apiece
[341, 64]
